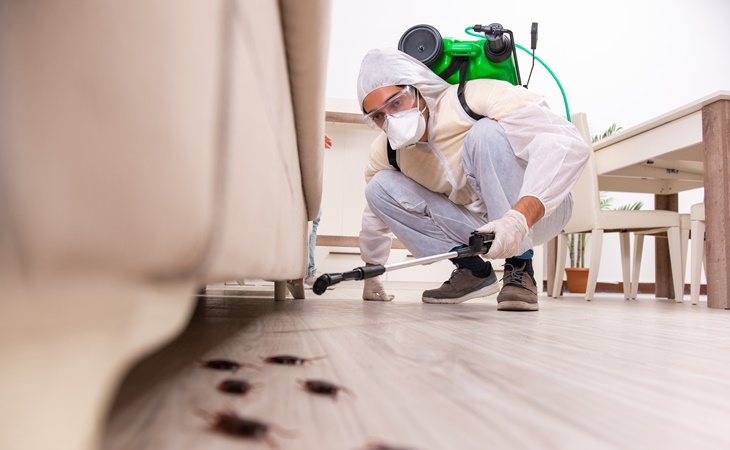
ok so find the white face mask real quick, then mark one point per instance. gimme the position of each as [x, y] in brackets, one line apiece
[405, 128]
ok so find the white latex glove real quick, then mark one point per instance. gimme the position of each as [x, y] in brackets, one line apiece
[509, 232]
[374, 291]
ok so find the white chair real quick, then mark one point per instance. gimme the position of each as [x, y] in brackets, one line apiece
[589, 218]
[697, 226]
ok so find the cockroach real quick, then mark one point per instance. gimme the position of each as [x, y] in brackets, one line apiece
[289, 360]
[225, 364]
[231, 424]
[235, 386]
[377, 446]
[322, 387]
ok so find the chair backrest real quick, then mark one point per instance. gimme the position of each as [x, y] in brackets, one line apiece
[586, 197]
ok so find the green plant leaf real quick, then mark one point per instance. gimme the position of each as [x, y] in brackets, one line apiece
[606, 201]
[614, 128]
[631, 206]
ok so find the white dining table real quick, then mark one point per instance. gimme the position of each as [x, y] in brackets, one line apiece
[683, 149]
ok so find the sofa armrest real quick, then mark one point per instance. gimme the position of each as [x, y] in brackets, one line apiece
[305, 28]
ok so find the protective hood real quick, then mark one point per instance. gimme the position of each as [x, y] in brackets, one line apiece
[390, 67]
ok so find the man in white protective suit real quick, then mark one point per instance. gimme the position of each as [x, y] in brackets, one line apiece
[504, 163]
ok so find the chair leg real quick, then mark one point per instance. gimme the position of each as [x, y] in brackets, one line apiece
[596, 247]
[684, 242]
[623, 238]
[675, 259]
[698, 244]
[562, 250]
[638, 252]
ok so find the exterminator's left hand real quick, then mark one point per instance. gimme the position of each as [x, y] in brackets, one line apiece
[509, 232]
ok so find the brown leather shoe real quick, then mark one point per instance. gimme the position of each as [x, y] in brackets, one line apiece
[462, 286]
[519, 292]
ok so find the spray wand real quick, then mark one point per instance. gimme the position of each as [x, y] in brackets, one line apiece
[479, 244]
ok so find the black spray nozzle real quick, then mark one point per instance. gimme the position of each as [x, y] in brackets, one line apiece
[493, 30]
[324, 281]
[359, 273]
[533, 36]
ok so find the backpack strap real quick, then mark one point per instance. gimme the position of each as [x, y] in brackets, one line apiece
[460, 93]
[392, 156]
[454, 65]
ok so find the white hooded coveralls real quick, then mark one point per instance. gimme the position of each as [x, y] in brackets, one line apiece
[548, 148]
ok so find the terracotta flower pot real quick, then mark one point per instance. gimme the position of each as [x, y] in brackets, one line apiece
[577, 279]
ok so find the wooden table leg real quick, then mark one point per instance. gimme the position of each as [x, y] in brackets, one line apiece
[716, 138]
[662, 268]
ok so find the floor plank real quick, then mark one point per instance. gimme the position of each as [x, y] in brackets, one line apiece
[604, 374]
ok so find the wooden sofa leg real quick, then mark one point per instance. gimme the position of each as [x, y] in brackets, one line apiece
[279, 290]
[296, 287]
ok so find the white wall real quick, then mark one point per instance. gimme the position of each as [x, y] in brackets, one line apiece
[620, 61]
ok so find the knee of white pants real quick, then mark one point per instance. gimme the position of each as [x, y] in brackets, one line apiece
[491, 167]
[378, 186]
[488, 152]
[486, 128]
[390, 187]
[485, 131]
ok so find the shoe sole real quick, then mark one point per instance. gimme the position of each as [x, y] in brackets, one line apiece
[516, 305]
[486, 291]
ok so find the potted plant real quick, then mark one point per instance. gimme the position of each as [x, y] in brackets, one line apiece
[577, 273]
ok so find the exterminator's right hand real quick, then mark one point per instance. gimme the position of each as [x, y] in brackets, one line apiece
[374, 291]
[509, 232]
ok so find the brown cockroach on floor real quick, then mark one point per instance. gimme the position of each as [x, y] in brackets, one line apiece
[237, 386]
[225, 364]
[233, 425]
[379, 446]
[289, 360]
[322, 387]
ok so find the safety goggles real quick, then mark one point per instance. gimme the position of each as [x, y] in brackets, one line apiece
[402, 101]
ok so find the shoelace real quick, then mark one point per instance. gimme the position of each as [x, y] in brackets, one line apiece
[512, 274]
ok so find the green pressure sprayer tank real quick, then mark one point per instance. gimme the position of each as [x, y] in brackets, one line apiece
[457, 60]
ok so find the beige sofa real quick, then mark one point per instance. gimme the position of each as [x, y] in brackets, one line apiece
[146, 148]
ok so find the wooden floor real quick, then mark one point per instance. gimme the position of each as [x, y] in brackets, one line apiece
[614, 374]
